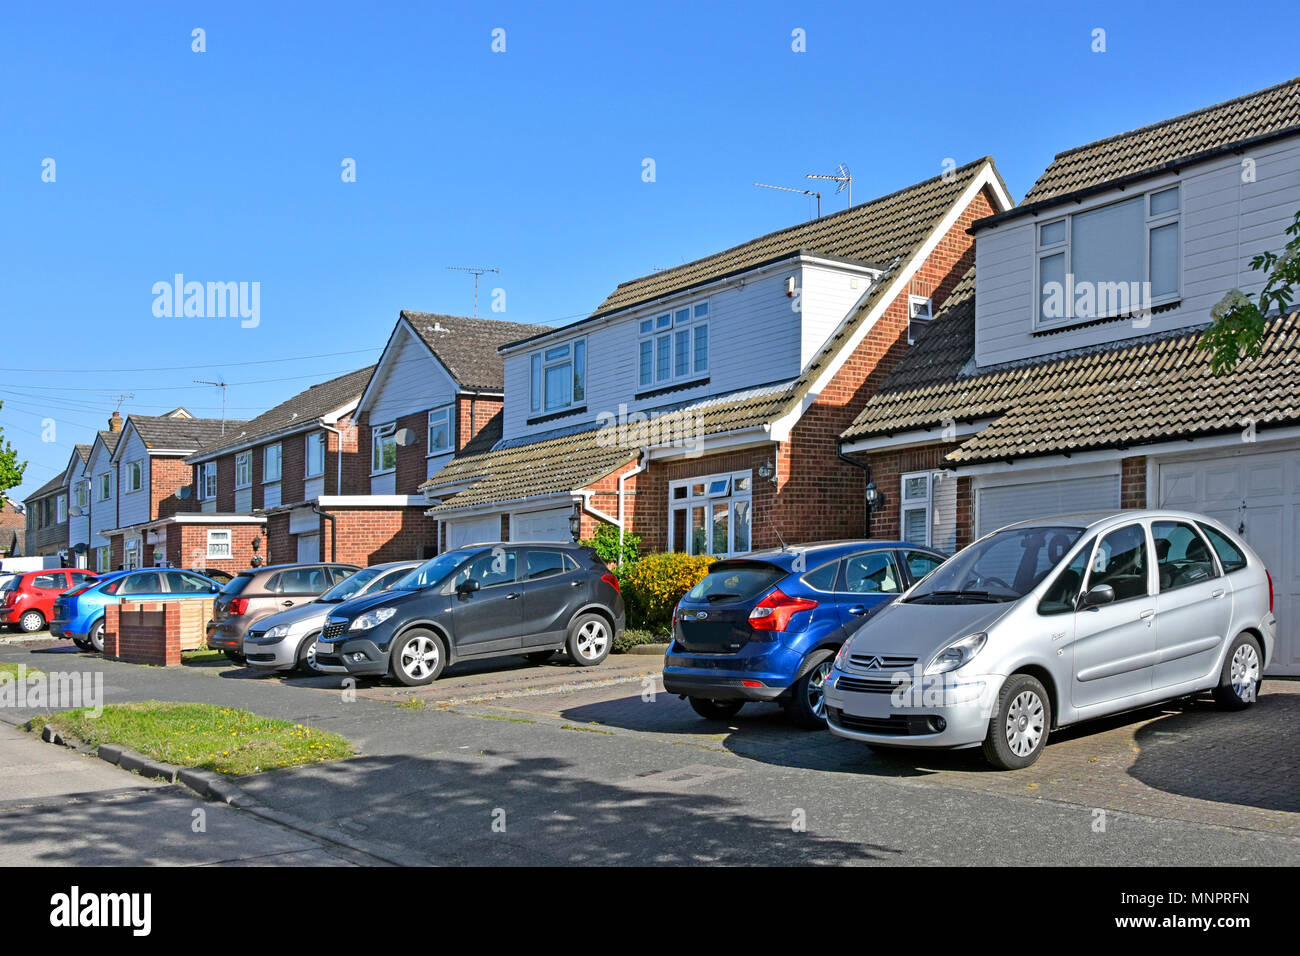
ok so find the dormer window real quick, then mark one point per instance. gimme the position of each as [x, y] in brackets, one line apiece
[559, 377]
[920, 311]
[1116, 260]
[673, 346]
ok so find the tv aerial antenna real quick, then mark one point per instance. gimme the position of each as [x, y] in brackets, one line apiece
[805, 192]
[221, 384]
[843, 177]
[121, 397]
[477, 271]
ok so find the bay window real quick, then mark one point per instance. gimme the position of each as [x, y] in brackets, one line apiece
[674, 346]
[712, 515]
[558, 377]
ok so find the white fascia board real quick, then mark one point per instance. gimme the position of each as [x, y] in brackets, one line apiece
[783, 426]
[913, 438]
[713, 444]
[168, 452]
[403, 325]
[370, 501]
[298, 427]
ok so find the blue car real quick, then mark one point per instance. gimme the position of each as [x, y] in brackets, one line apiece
[79, 613]
[767, 626]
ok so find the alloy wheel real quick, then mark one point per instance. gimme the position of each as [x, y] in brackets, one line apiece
[419, 657]
[593, 638]
[1245, 671]
[817, 688]
[1025, 721]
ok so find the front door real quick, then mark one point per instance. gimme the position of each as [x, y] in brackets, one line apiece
[1115, 644]
[490, 619]
[1194, 607]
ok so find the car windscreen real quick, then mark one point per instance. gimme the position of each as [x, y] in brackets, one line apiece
[6, 581]
[1002, 567]
[435, 569]
[730, 582]
[236, 584]
[350, 586]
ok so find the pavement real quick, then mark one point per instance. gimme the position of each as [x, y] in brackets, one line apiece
[513, 763]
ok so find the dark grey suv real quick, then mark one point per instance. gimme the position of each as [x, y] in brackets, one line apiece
[480, 601]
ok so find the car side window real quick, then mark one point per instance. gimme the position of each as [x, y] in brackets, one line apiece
[823, 578]
[1062, 597]
[919, 563]
[1121, 561]
[543, 564]
[387, 580]
[182, 582]
[341, 574]
[149, 582]
[300, 581]
[79, 579]
[489, 569]
[1230, 555]
[48, 582]
[1182, 556]
[870, 573]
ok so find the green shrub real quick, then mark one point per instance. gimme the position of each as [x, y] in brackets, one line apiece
[605, 541]
[637, 636]
[656, 582]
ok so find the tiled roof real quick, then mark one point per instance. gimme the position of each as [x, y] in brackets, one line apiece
[1152, 147]
[571, 461]
[877, 232]
[304, 408]
[84, 452]
[467, 347]
[1138, 393]
[54, 484]
[944, 346]
[109, 439]
[180, 434]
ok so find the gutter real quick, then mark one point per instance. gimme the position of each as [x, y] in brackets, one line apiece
[866, 470]
[334, 530]
[643, 459]
[338, 480]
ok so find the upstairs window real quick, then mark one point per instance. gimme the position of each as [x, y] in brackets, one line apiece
[674, 346]
[440, 431]
[558, 377]
[134, 476]
[208, 481]
[315, 455]
[103, 486]
[1115, 260]
[60, 509]
[272, 463]
[83, 494]
[244, 470]
[920, 311]
[383, 448]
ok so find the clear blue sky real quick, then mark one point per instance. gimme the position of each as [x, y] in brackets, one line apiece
[225, 165]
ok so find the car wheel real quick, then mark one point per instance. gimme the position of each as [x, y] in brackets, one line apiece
[1020, 725]
[96, 636]
[31, 621]
[716, 709]
[589, 639]
[82, 643]
[540, 657]
[1241, 676]
[807, 704]
[417, 658]
[235, 656]
[306, 663]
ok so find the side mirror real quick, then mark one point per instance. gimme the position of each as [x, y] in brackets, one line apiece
[467, 587]
[214, 588]
[1101, 594]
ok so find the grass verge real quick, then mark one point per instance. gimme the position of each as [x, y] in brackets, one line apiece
[10, 671]
[228, 741]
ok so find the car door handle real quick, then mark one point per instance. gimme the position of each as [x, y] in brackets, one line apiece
[1219, 593]
[1147, 615]
[512, 595]
[857, 610]
[286, 604]
[574, 584]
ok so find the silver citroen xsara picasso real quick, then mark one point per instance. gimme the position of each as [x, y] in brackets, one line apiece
[1050, 622]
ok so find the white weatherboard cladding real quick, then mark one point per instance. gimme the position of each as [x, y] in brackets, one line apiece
[103, 514]
[412, 380]
[473, 531]
[303, 519]
[315, 487]
[997, 505]
[271, 495]
[243, 500]
[549, 525]
[308, 548]
[755, 337]
[78, 526]
[385, 484]
[134, 507]
[1256, 493]
[209, 506]
[1224, 222]
[436, 464]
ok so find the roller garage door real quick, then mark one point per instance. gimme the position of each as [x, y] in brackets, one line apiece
[549, 525]
[1001, 504]
[1258, 494]
[473, 531]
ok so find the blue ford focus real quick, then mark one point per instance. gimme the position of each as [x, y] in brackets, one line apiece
[79, 613]
[767, 626]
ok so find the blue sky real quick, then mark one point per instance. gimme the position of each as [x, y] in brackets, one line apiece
[225, 165]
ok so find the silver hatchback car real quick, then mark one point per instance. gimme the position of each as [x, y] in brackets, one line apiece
[1050, 622]
[287, 641]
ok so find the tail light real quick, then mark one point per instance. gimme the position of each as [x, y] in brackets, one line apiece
[1270, 590]
[12, 596]
[773, 613]
[612, 581]
[237, 606]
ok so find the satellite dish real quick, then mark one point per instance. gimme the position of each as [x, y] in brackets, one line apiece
[184, 492]
[79, 548]
[404, 437]
[76, 511]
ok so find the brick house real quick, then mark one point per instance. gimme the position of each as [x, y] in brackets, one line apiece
[700, 407]
[1010, 407]
[13, 530]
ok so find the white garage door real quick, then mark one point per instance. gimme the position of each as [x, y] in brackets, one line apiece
[473, 531]
[1006, 504]
[1258, 495]
[551, 525]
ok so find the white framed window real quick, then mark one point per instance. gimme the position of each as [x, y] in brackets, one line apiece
[914, 499]
[103, 486]
[83, 494]
[713, 514]
[315, 455]
[60, 509]
[558, 377]
[920, 310]
[383, 448]
[272, 463]
[441, 433]
[132, 554]
[102, 557]
[244, 470]
[219, 543]
[1114, 260]
[207, 481]
[673, 346]
[134, 476]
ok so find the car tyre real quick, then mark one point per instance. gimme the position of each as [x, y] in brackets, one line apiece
[540, 657]
[417, 658]
[31, 622]
[96, 637]
[716, 709]
[235, 656]
[806, 707]
[590, 639]
[306, 660]
[82, 643]
[1241, 676]
[1020, 724]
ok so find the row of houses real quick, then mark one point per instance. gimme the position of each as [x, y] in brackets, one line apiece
[928, 365]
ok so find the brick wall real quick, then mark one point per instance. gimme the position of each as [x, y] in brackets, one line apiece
[1133, 482]
[153, 632]
[165, 476]
[187, 546]
[293, 454]
[472, 414]
[375, 535]
[226, 484]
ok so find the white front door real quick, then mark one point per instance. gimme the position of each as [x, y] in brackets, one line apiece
[1256, 493]
[308, 548]
[464, 531]
[550, 525]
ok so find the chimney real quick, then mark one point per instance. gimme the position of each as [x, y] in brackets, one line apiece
[115, 423]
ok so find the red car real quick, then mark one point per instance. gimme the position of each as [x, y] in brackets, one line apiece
[27, 599]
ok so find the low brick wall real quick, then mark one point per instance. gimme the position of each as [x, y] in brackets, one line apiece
[154, 632]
